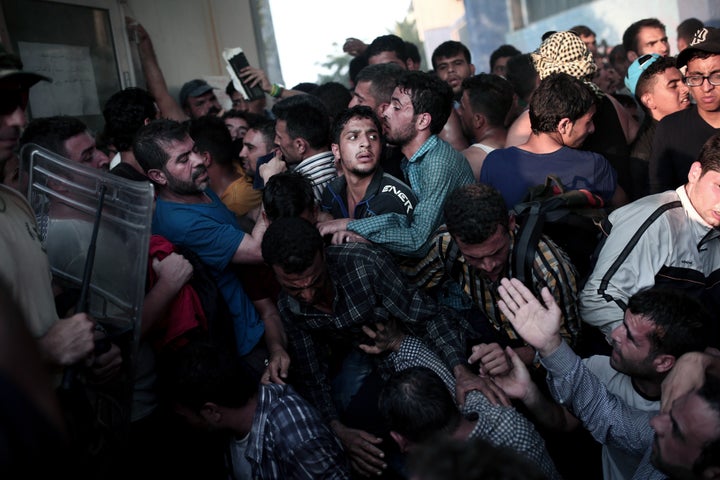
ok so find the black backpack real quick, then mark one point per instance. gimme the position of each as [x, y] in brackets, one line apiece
[575, 220]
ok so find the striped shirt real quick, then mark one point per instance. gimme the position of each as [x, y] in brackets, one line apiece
[320, 169]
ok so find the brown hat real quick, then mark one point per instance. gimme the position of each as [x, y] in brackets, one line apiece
[706, 39]
[11, 68]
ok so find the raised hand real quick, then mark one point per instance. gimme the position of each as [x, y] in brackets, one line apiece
[538, 324]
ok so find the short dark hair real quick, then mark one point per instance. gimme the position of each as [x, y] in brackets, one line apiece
[709, 156]
[125, 113]
[559, 96]
[430, 95]
[239, 114]
[230, 89]
[630, 40]
[502, 51]
[306, 117]
[582, 31]
[387, 43]
[355, 67]
[150, 140]
[679, 319]
[413, 52]
[202, 372]
[52, 132]
[266, 127]
[473, 213]
[287, 194]
[361, 111]
[335, 96]
[211, 135]
[449, 49]
[490, 95]
[648, 78]
[383, 80]
[292, 243]
[416, 403]
[520, 72]
[687, 28]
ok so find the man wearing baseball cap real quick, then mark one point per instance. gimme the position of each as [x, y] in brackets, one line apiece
[680, 136]
[198, 99]
[14, 88]
[659, 88]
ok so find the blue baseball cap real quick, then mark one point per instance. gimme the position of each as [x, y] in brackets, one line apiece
[636, 69]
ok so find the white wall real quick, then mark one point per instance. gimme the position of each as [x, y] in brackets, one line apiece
[190, 35]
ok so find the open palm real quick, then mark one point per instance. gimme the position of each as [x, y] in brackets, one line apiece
[538, 324]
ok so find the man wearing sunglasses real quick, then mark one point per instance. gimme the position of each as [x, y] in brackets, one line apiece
[680, 136]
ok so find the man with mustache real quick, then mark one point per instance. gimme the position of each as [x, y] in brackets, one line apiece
[190, 214]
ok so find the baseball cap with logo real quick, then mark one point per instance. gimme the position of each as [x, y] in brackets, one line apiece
[193, 88]
[11, 69]
[707, 40]
[636, 69]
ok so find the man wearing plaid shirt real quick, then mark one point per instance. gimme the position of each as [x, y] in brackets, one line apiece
[477, 251]
[328, 296]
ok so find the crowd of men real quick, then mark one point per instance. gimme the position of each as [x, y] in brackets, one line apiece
[333, 284]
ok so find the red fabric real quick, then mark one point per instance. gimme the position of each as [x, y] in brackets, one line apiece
[186, 312]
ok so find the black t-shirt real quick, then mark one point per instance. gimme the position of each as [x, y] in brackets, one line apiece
[679, 137]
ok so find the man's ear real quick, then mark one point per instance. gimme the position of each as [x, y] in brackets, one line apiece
[157, 176]
[631, 56]
[381, 109]
[212, 413]
[695, 172]
[423, 121]
[648, 100]
[336, 151]
[301, 146]
[564, 125]
[511, 223]
[402, 442]
[663, 363]
[478, 120]
[472, 69]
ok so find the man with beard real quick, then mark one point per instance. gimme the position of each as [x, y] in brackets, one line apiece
[659, 326]
[682, 442]
[476, 252]
[198, 99]
[363, 190]
[189, 214]
[420, 106]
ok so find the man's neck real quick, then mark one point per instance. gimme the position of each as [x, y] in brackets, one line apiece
[464, 429]
[542, 143]
[221, 177]
[242, 417]
[711, 118]
[492, 137]
[411, 147]
[311, 152]
[648, 388]
[356, 189]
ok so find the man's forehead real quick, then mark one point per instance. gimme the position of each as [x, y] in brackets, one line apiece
[359, 123]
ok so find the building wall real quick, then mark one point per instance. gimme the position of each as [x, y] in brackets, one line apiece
[489, 25]
[190, 35]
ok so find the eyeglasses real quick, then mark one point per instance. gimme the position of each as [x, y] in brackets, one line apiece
[10, 100]
[698, 80]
